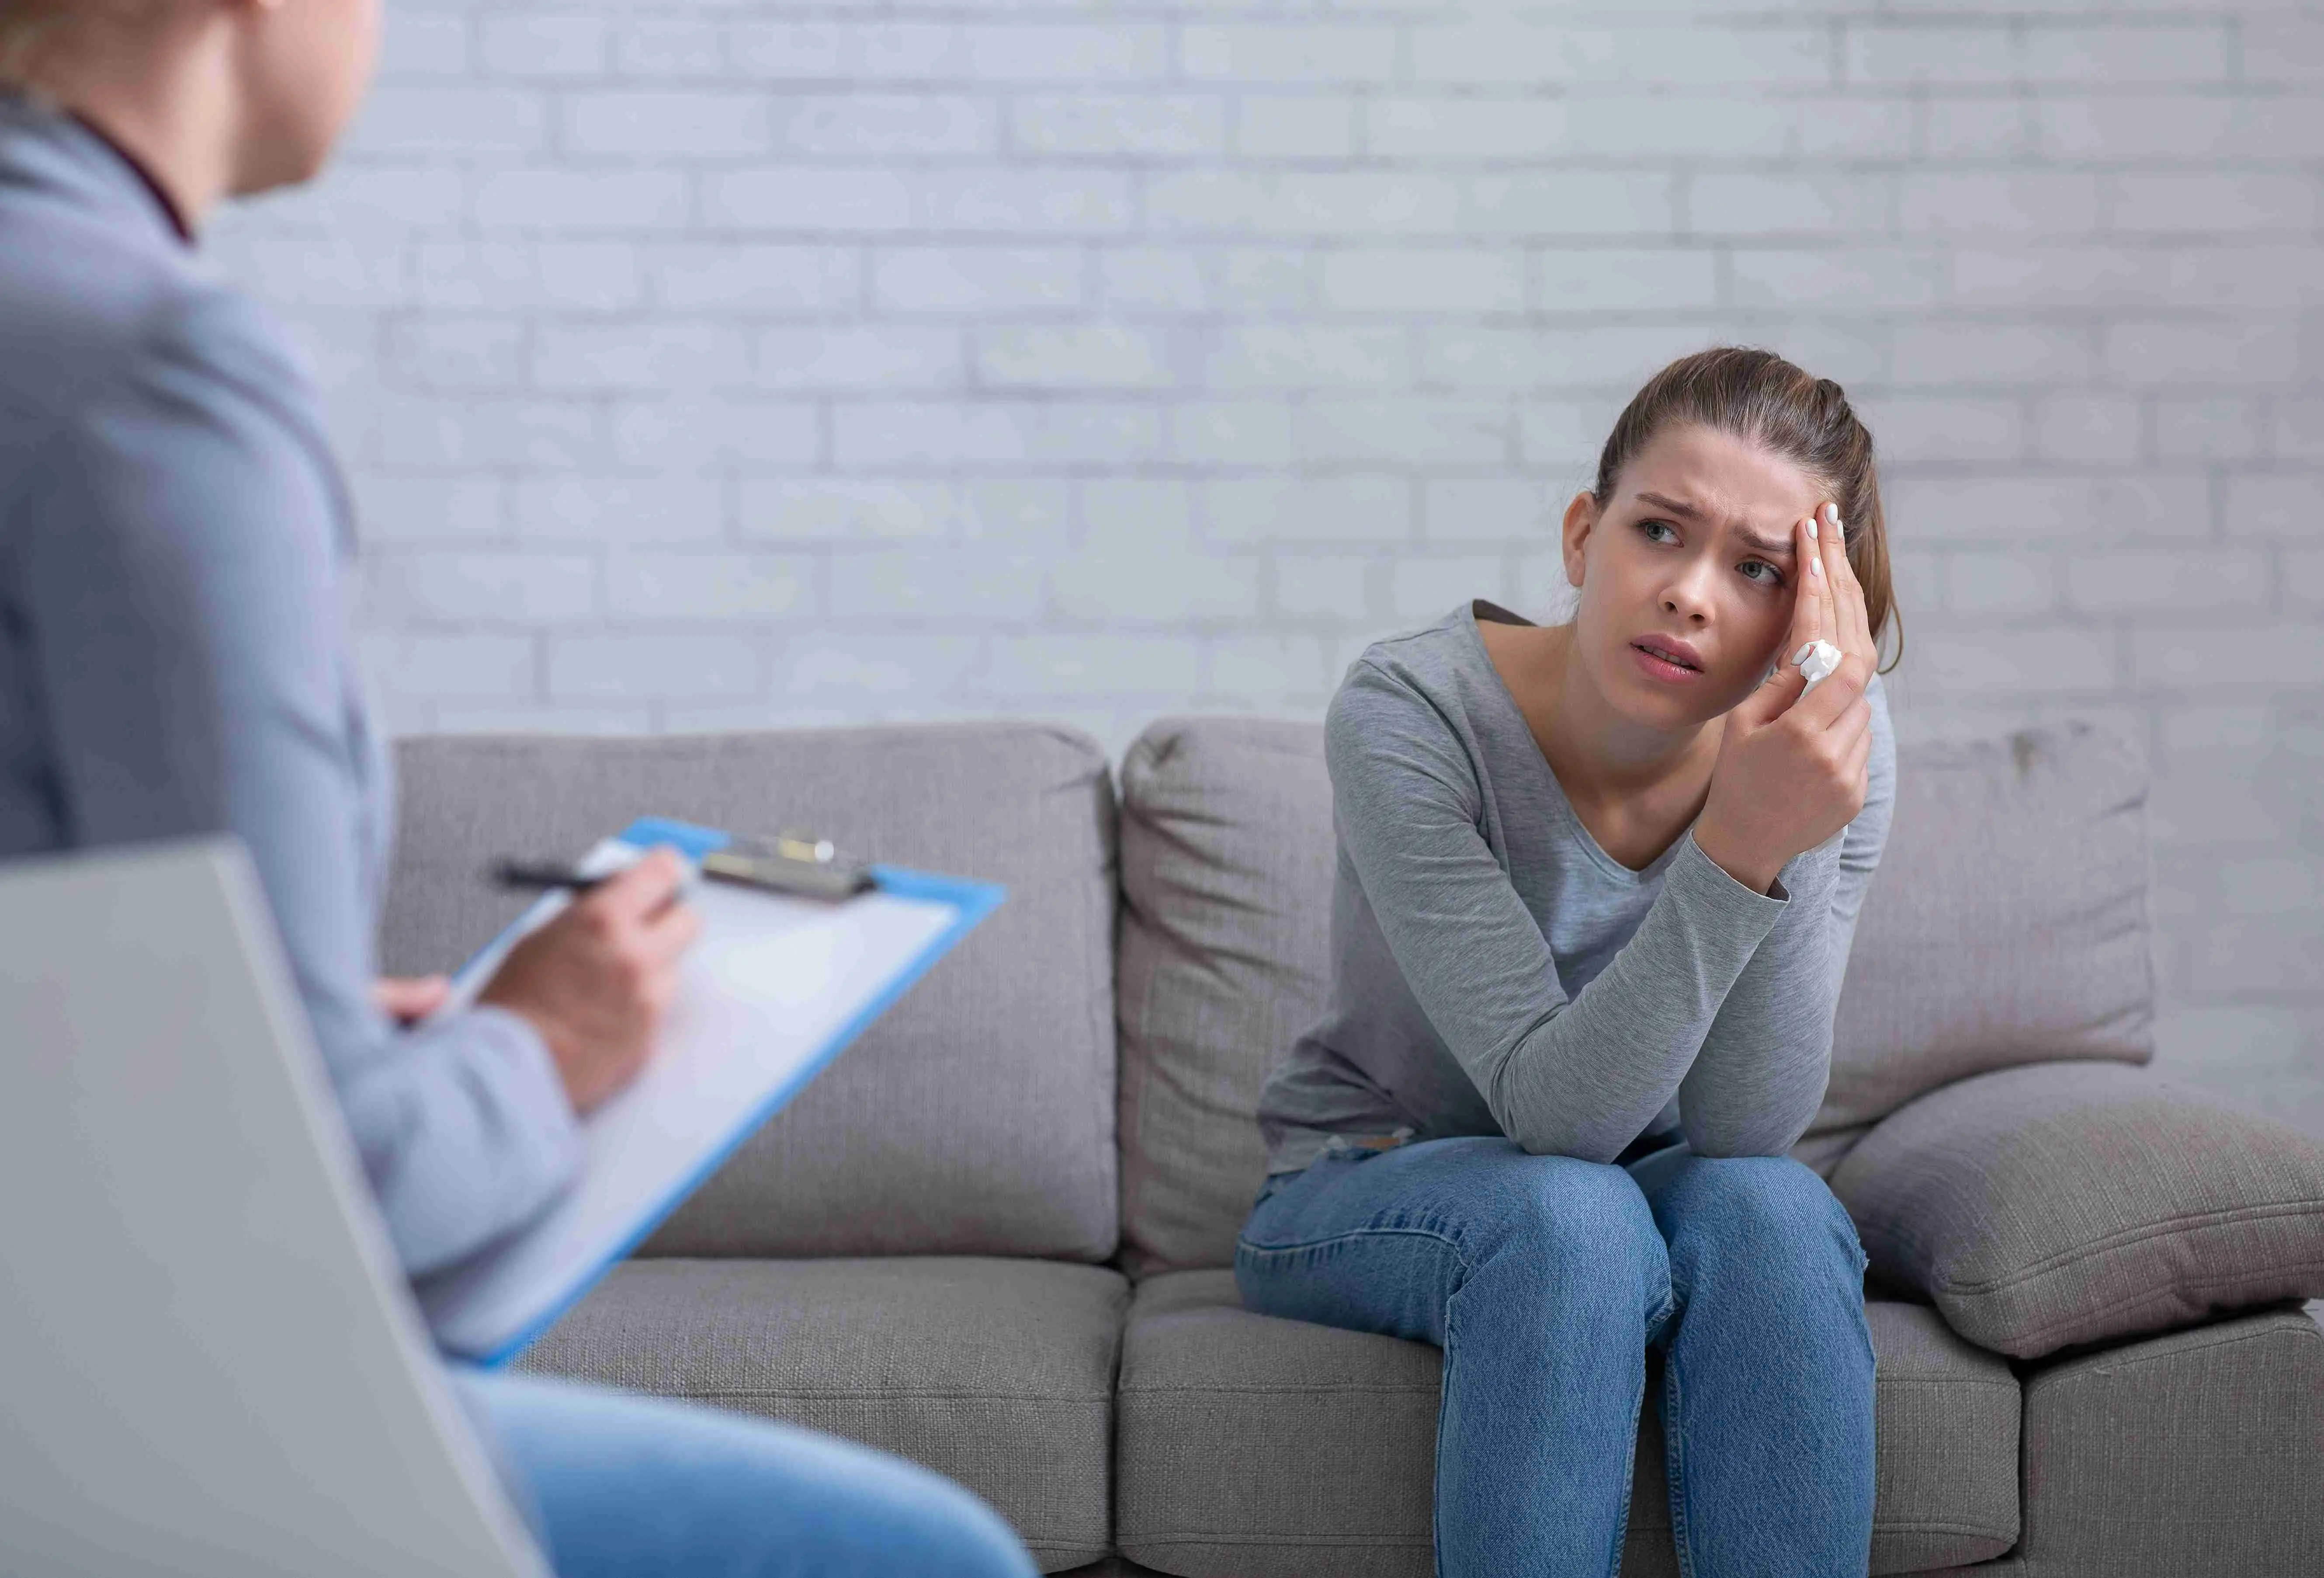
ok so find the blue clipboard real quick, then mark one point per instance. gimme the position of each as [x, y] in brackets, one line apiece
[489, 1309]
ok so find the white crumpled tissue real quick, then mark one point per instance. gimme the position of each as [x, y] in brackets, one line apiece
[1819, 660]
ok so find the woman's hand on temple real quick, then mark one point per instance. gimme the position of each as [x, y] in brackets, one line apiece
[1793, 769]
[596, 981]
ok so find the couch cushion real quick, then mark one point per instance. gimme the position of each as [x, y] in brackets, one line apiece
[1226, 888]
[2007, 925]
[1263, 1448]
[977, 1117]
[998, 1374]
[2198, 1453]
[2075, 1202]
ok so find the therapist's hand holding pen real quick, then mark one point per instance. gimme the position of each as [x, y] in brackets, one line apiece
[595, 982]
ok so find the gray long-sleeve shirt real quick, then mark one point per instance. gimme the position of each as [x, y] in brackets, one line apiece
[1496, 971]
[174, 539]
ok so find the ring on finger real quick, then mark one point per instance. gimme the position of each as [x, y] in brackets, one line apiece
[1819, 660]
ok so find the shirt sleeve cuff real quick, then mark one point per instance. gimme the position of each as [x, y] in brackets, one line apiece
[1718, 888]
[501, 1139]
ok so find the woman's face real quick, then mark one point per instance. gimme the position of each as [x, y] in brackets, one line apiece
[306, 66]
[1692, 554]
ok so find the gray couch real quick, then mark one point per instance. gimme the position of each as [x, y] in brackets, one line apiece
[995, 1236]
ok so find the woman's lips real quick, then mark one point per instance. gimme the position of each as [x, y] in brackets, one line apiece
[1663, 668]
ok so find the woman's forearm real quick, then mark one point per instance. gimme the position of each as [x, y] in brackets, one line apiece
[1760, 1075]
[1586, 1081]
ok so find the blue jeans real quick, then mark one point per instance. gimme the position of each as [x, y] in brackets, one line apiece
[1545, 1281]
[628, 1486]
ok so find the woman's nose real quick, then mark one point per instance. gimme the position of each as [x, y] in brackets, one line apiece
[1683, 597]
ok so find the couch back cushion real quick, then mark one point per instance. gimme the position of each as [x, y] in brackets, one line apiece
[1226, 916]
[2008, 925]
[977, 1116]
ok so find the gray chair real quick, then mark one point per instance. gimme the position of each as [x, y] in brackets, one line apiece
[209, 1364]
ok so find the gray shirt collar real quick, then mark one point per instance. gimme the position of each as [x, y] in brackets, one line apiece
[42, 145]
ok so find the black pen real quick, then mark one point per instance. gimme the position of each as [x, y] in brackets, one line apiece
[528, 877]
[769, 873]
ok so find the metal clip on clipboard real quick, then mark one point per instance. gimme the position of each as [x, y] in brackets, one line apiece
[794, 863]
[789, 862]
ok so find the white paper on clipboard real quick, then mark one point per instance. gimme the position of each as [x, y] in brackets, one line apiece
[774, 989]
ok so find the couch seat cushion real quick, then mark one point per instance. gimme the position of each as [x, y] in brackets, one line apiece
[1262, 1448]
[975, 1117]
[998, 1374]
[2202, 1452]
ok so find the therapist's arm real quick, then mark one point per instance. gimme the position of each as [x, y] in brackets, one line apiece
[184, 594]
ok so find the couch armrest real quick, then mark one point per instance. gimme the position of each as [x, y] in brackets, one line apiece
[2067, 1202]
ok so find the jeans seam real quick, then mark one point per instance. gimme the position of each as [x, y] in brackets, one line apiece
[1674, 1465]
[1244, 1246]
[1630, 1480]
[1436, 1469]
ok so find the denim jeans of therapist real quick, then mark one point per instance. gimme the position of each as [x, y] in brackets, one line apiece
[617, 1486]
[1545, 1281]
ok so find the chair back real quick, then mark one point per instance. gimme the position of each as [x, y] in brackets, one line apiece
[210, 1366]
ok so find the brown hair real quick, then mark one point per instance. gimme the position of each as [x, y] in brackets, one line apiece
[1762, 399]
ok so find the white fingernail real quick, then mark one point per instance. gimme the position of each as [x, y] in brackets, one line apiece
[1836, 526]
[1800, 656]
[1815, 567]
[1812, 528]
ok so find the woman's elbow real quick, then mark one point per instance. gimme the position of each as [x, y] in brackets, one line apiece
[1738, 1138]
[1722, 1145]
[1536, 1137]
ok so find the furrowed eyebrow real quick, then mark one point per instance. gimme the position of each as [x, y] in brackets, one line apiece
[1751, 539]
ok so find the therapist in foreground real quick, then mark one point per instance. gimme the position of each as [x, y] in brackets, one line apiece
[174, 544]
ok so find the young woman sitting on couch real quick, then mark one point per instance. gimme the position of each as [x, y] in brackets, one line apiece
[1597, 885]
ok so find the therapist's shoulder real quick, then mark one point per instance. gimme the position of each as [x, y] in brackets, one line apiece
[215, 340]
[93, 317]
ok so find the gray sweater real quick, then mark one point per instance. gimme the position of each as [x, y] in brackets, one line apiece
[174, 546]
[1496, 972]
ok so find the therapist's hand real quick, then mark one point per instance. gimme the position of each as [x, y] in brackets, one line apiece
[596, 981]
[406, 1002]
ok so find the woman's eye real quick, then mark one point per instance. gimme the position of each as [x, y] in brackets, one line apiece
[1651, 526]
[1774, 577]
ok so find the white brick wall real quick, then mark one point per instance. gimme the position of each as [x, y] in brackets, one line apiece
[707, 363]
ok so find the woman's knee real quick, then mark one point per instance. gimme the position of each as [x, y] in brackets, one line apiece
[1577, 1220]
[1759, 1206]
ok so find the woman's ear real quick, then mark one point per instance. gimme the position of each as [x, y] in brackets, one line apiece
[1580, 520]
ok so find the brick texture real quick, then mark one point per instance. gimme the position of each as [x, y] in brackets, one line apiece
[705, 364]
